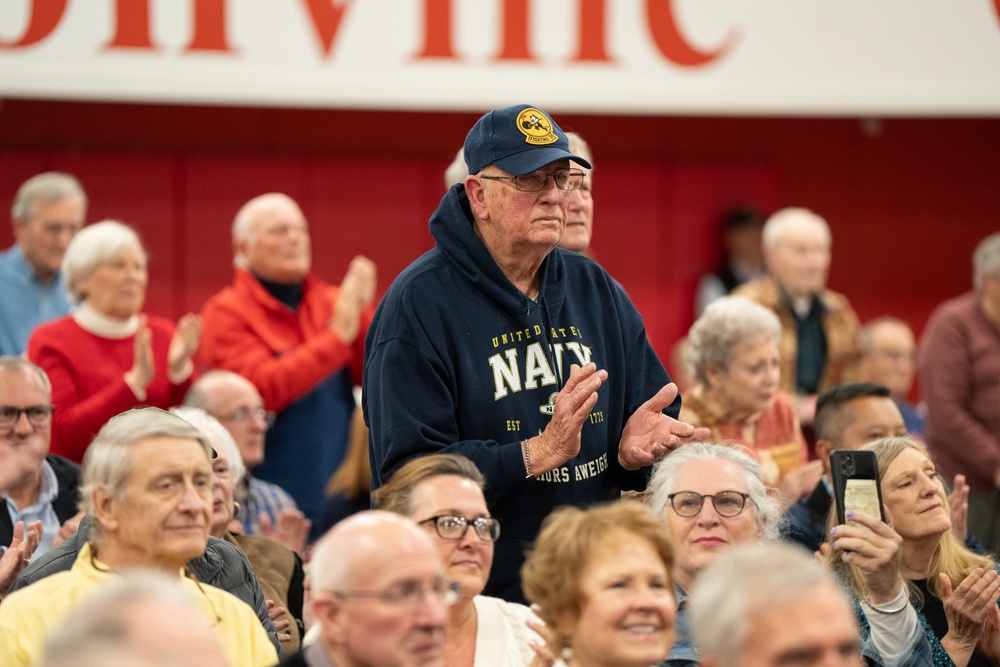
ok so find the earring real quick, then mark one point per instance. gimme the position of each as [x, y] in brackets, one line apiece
[566, 654]
[236, 509]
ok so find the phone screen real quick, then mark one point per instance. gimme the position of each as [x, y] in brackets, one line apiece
[861, 495]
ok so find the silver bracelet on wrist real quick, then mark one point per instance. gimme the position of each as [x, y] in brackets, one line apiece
[527, 458]
[888, 612]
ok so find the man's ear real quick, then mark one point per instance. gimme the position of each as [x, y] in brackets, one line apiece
[106, 508]
[477, 197]
[329, 612]
[823, 449]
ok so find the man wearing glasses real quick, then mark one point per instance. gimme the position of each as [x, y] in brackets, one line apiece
[525, 358]
[36, 485]
[379, 593]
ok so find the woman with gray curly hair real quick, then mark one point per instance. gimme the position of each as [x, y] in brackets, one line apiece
[711, 497]
[733, 350]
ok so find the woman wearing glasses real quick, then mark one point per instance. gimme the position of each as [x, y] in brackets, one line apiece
[711, 497]
[444, 494]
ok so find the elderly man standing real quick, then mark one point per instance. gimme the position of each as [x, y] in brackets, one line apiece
[265, 508]
[889, 358]
[48, 210]
[959, 366]
[379, 594]
[819, 347]
[155, 515]
[40, 486]
[297, 338]
[527, 359]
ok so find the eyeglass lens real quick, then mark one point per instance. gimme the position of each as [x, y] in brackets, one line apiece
[38, 415]
[726, 503]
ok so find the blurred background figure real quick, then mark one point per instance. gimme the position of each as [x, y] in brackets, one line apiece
[443, 493]
[743, 258]
[601, 580]
[48, 210]
[889, 358]
[349, 490]
[733, 349]
[819, 347]
[143, 615]
[108, 356]
[265, 508]
[959, 366]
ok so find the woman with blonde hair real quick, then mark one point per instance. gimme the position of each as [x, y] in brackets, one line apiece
[913, 567]
[601, 578]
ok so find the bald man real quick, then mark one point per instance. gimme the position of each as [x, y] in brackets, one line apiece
[298, 339]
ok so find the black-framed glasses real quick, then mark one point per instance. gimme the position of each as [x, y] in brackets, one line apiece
[408, 593]
[454, 526]
[566, 179]
[38, 415]
[244, 413]
[726, 503]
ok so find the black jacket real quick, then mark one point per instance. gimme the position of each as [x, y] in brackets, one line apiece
[66, 501]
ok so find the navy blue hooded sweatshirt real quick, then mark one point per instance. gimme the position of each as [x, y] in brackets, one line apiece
[458, 360]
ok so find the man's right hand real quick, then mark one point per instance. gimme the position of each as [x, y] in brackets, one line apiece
[560, 441]
[357, 291]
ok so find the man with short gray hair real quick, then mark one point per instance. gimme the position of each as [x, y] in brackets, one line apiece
[156, 515]
[959, 366]
[48, 210]
[819, 347]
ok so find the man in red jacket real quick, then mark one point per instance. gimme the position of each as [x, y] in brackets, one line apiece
[297, 338]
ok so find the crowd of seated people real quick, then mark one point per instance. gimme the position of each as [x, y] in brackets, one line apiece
[127, 521]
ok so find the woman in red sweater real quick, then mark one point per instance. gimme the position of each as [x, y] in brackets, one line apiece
[107, 357]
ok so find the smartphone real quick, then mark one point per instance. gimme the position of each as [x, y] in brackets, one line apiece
[855, 483]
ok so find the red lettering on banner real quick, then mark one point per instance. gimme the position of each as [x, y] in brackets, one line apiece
[326, 15]
[515, 19]
[670, 41]
[996, 5]
[209, 26]
[592, 31]
[437, 30]
[131, 25]
[44, 16]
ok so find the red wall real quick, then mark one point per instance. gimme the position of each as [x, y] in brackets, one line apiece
[907, 203]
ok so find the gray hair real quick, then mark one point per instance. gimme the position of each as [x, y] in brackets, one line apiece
[779, 222]
[727, 322]
[218, 436]
[245, 217]
[456, 171]
[43, 189]
[743, 581]
[665, 478]
[986, 260]
[13, 364]
[579, 146]
[108, 462]
[92, 246]
[201, 392]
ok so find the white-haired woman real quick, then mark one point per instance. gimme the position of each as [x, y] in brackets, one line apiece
[733, 350]
[107, 357]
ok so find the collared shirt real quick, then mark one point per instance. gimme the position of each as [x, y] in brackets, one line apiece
[262, 498]
[315, 655]
[683, 653]
[26, 300]
[42, 510]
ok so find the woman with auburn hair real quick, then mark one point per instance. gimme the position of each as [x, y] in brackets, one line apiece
[444, 494]
[913, 568]
[601, 580]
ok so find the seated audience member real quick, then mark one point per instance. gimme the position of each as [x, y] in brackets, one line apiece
[915, 566]
[710, 497]
[48, 210]
[264, 508]
[773, 604]
[443, 493]
[144, 615]
[847, 417]
[819, 347]
[743, 261]
[579, 229]
[297, 338]
[733, 349]
[107, 356]
[379, 594]
[277, 568]
[39, 486]
[349, 490]
[155, 515]
[959, 366]
[889, 358]
[601, 580]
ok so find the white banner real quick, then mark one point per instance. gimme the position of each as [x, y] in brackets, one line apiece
[739, 57]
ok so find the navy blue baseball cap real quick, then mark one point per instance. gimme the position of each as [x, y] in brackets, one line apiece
[518, 139]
